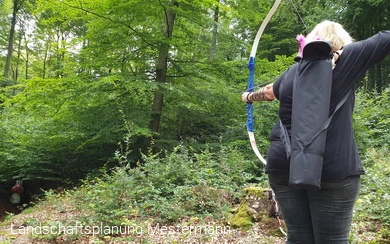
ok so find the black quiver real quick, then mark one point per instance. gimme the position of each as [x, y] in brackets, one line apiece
[310, 111]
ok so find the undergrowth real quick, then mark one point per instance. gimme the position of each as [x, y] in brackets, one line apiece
[372, 130]
[164, 190]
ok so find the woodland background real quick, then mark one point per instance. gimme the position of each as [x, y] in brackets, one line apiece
[95, 88]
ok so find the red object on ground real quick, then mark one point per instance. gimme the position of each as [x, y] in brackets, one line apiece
[18, 189]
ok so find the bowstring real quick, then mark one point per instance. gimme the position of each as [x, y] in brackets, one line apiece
[261, 85]
[299, 15]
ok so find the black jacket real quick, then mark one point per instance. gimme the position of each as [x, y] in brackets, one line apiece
[341, 158]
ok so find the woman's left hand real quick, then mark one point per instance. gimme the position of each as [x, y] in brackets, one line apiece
[244, 97]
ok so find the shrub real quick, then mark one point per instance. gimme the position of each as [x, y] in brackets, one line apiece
[372, 120]
[166, 189]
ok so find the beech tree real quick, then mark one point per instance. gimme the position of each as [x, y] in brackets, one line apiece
[17, 5]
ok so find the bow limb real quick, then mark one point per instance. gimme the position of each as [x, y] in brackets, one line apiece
[262, 27]
[251, 85]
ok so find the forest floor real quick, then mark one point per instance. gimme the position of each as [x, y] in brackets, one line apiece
[6, 208]
[31, 225]
[18, 228]
[15, 224]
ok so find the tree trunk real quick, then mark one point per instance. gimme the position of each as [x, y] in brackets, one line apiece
[27, 56]
[45, 59]
[215, 32]
[386, 71]
[161, 69]
[11, 38]
[196, 57]
[18, 59]
[378, 68]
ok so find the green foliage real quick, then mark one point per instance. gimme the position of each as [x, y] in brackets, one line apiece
[374, 200]
[60, 129]
[180, 185]
[107, 52]
[372, 120]
[371, 123]
[371, 214]
[365, 13]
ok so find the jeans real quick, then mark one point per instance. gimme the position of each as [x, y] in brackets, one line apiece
[317, 217]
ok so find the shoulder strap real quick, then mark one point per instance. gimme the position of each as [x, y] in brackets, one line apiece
[327, 122]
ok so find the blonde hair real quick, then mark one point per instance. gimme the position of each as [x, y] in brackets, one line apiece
[332, 32]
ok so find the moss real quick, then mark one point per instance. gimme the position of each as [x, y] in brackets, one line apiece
[241, 219]
[256, 192]
[253, 208]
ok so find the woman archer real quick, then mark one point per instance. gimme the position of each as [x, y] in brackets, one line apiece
[323, 216]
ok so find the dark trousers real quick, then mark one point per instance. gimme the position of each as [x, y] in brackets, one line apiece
[317, 217]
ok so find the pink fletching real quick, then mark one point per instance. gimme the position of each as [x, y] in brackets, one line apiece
[301, 44]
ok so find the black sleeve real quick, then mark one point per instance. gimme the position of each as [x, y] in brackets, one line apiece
[276, 86]
[355, 60]
[279, 80]
[376, 48]
[370, 51]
